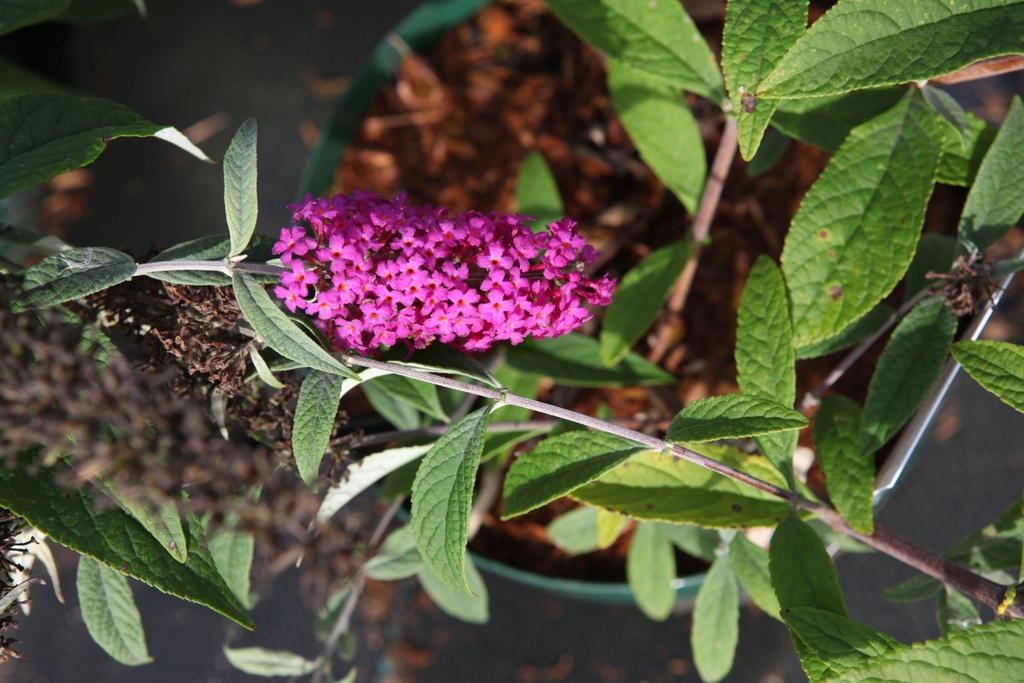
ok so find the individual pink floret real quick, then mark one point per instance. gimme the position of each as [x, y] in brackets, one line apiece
[293, 243]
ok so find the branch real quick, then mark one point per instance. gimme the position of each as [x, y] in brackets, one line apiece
[222, 266]
[498, 427]
[699, 232]
[882, 540]
[341, 624]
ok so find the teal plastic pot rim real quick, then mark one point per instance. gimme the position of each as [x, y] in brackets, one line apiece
[419, 31]
[589, 591]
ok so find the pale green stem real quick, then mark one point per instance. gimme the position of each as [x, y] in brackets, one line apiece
[221, 266]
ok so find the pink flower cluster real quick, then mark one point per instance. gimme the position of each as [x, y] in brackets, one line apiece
[376, 272]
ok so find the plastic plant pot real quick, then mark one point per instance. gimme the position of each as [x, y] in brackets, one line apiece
[419, 31]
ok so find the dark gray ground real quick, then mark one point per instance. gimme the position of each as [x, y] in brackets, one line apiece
[193, 59]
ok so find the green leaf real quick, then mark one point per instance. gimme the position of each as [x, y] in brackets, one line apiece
[109, 612]
[117, 540]
[1004, 267]
[659, 487]
[361, 475]
[731, 416]
[769, 153]
[750, 562]
[400, 414]
[856, 230]
[694, 540]
[657, 39]
[716, 617]
[650, 571]
[956, 612]
[46, 133]
[14, 235]
[278, 331]
[860, 330]
[329, 612]
[802, 571]
[160, 517]
[418, 395]
[997, 366]
[585, 529]
[501, 444]
[240, 203]
[72, 274]
[17, 80]
[610, 526]
[315, 413]
[950, 111]
[536, 191]
[14, 594]
[935, 252]
[348, 384]
[207, 248]
[830, 645]
[913, 359]
[575, 532]
[996, 200]
[664, 130]
[471, 608]
[639, 298]
[990, 652]
[260, 661]
[559, 465]
[765, 361]
[883, 42]
[263, 370]
[398, 483]
[826, 122]
[442, 496]
[15, 14]
[574, 360]
[962, 154]
[765, 358]
[849, 471]
[232, 552]
[757, 34]
[397, 558]
[996, 546]
[914, 589]
[1018, 527]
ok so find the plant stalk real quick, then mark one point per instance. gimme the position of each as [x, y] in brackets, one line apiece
[727, 146]
[924, 560]
[492, 427]
[882, 540]
[341, 624]
[221, 266]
